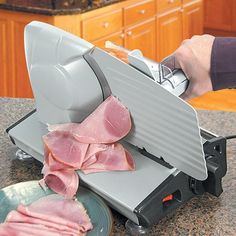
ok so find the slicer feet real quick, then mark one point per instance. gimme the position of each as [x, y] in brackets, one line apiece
[135, 229]
[21, 155]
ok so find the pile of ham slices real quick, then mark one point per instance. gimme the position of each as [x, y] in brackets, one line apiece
[90, 146]
[50, 216]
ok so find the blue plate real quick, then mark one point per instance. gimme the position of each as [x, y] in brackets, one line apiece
[28, 192]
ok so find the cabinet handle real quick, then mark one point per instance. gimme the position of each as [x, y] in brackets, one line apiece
[142, 11]
[122, 36]
[106, 25]
[129, 33]
[171, 1]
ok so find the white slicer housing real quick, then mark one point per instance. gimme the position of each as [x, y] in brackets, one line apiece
[64, 86]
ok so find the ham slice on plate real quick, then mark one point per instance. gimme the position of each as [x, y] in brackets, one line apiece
[17, 217]
[64, 182]
[26, 229]
[109, 123]
[55, 209]
[50, 215]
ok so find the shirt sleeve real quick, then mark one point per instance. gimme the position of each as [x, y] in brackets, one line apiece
[223, 63]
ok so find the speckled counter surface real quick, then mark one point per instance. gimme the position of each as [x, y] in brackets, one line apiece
[203, 215]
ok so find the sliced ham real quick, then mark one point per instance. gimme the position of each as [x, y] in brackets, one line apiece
[115, 157]
[17, 217]
[26, 229]
[61, 147]
[56, 209]
[63, 182]
[90, 146]
[93, 149]
[109, 123]
[51, 215]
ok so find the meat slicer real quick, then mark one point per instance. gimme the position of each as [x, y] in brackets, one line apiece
[175, 159]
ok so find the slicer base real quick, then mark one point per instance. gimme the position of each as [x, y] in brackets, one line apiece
[135, 229]
[143, 206]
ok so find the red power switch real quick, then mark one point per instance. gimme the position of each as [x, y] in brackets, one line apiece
[168, 198]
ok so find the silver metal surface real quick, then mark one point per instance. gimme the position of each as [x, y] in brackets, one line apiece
[164, 73]
[163, 124]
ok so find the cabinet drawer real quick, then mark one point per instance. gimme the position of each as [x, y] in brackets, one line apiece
[139, 12]
[116, 38]
[101, 26]
[163, 5]
[191, 1]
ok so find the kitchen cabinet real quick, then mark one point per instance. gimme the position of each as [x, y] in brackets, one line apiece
[142, 36]
[136, 32]
[169, 29]
[117, 38]
[218, 14]
[192, 18]
[139, 27]
[169, 33]
[220, 17]
[175, 22]
[14, 80]
[138, 12]
[166, 5]
[102, 25]
[156, 27]
[5, 86]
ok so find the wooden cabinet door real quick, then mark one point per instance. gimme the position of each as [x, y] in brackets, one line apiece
[117, 38]
[14, 80]
[139, 12]
[218, 14]
[234, 18]
[102, 25]
[193, 19]
[4, 57]
[169, 33]
[142, 36]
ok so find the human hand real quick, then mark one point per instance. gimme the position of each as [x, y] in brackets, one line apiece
[194, 58]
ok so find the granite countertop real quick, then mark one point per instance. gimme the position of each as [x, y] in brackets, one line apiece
[53, 12]
[202, 215]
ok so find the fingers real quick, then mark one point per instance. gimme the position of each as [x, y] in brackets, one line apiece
[183, 59]
[193, 57]
[190, 92]
[186, 96]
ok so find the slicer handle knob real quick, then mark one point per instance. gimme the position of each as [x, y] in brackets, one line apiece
[129, 33]
[106, 25]
[142, 11]
[122, 36]
[171, 1]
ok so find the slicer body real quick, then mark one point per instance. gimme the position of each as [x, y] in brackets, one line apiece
[70, 78]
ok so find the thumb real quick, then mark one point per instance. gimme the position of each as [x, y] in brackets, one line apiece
[187, 95]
